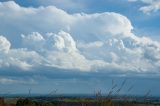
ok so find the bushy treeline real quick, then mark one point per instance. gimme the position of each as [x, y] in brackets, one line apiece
[28, 102]
[105, 102]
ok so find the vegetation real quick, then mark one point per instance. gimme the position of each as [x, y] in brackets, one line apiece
[110, 99]
[78, 102]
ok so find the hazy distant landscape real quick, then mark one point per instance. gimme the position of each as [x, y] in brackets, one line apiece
[80, 100]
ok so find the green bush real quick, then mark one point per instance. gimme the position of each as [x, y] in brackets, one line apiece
[25, 102]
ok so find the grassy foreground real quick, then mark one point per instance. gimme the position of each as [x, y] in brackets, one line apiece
[42, 101]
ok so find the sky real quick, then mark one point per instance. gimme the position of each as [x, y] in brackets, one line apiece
[79, 46]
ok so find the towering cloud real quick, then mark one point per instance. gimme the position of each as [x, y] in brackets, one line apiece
[51, 38]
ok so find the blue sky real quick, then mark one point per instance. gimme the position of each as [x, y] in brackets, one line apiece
[79, 46]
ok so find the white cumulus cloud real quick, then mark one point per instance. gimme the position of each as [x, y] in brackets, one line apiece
[51, 37]
[149, 7]
[4, 44]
